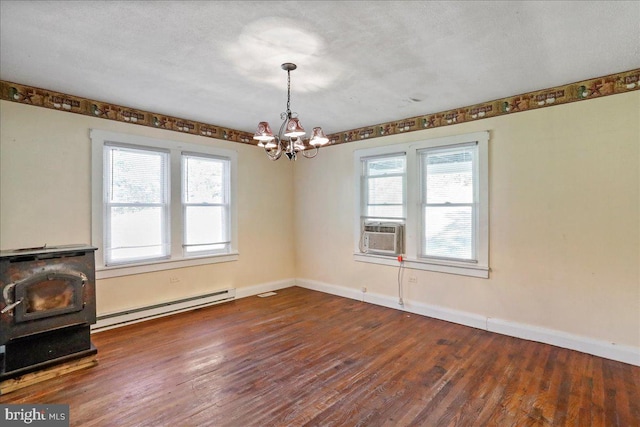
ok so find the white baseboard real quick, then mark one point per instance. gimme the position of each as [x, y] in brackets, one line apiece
[621, 353]
[460, 317]
[608, 350]
[613, 351]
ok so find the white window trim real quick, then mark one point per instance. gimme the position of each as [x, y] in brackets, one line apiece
[177, 260]
[412, 229]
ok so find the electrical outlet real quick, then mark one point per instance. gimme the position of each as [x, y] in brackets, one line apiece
[364, 289]
[413, 279]
[173, 279]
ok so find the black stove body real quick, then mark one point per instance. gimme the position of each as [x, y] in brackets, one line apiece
[47, 306]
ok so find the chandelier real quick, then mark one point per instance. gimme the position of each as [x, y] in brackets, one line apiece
[289, 139]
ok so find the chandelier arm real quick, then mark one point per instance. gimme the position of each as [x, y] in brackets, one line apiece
[285, 119]
[274, 158]
[311, 156]
[276, 155]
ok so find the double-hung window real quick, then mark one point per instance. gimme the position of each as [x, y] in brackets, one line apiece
[159, 204]
[439, 189]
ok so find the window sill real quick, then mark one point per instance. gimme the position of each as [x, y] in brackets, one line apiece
[148, 267]
[460, 269]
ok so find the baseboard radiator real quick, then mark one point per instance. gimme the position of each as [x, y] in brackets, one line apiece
[127, 317]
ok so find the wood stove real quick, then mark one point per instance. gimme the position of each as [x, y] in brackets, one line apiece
[47, 306]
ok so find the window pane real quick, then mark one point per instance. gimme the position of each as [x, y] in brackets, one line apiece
[137, 176]
[204, 180]
[384, 180]
[385, 190]
[204, 225]
[390, 211]
[385, 165]
[204, 183]
[449, 176]
[136, 232]
[448, 232]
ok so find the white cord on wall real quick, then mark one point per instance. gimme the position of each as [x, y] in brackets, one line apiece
[400, 276]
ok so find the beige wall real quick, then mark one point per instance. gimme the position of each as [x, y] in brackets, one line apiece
[564, 208]
[564, 222]
[45, 197]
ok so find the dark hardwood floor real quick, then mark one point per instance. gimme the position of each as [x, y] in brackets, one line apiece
[307, 358]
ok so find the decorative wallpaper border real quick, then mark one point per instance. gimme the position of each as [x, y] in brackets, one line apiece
[579, 91]
[587, 89]
[88, 107]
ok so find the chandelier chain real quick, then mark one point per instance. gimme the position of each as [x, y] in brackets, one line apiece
[288, 93]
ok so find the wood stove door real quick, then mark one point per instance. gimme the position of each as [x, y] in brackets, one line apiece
[47, 294]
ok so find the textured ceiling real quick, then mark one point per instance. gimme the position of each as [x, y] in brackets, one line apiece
[359, 63]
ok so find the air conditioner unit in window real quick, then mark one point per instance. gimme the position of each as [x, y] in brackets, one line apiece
[384, 238]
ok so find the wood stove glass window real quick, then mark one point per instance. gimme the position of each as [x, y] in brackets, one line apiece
[49, 295]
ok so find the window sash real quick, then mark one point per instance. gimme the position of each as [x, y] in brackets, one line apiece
[198, 237]
[439, 239]
[210, 240]
[123, 242]
[385, 211]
